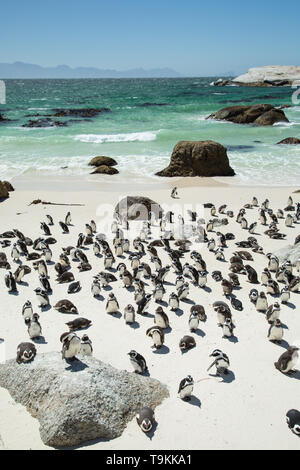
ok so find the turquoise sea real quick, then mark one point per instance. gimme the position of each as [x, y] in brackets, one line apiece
[139, 136]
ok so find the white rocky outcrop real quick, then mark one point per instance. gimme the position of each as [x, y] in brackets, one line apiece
[270, 73]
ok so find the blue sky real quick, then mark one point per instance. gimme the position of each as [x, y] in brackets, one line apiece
[192, 37]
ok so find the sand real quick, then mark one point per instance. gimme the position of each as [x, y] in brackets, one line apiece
[247, 413]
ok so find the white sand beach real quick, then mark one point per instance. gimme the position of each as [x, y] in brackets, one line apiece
[246, 413]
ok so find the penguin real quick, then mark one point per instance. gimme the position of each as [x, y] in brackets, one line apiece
[143, 304]
[23, 247]
[217, 276]
[50, 219]
[42, 298]
[221, 362]
[223, 311]
[65, 278]
[227, 287]
[222, 209]
[288, 360]
[275, 333]
[186, 388]
[262, 217]
[109, 260]
[251, 274]
[159, 292]
[157, 334]
[138, 362]
[74, 287]
[294, 284]
[21, 272]
[273, 264]
[27, 311]
[261, 304]
[45, 284]
[93, 226]
[244, 223]
[187, 342]
[254, 201]
[228, 328]
[26, 352]
[34, 327]
[219, 253]
[273, 312]
[237, 304]
[253, 295]
[145, 419]
[42, 268]
[221, 240]
[273, 287]
[86, 348]
[183, 291]
[129, 315]
[265, 276]
[96, 288]
[64, 227]
[64, 260]
[78, 324]
[45, 228]
[83, 267]
[10, 282]
[285, 295]
[15, 254]
[174, 193]
[127, 279]
[68, 219]
[191, 272]
[65, 306]
[293, 421]
[81, 256]
[71, 345]
[194, 319]
[289, 220]
[96, 248]
[161, 318]
[47, 253]
[234, 279]
[112, 305]
[173, 301]
[80, 240]
[202, 279]
[179, 281]
[60, 269]
[252, 227]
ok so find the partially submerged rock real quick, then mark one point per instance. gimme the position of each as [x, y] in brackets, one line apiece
[102, 160]
[82, 112]
[44, 122]
[202, 158]
[5, 189]
[259, 115]
[79, 402]
[105, 170]
[137, 208]
[289, 141]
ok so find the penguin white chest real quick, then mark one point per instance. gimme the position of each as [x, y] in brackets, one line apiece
[73, 349]
[34, 330]
[156, 339]
[186, 391]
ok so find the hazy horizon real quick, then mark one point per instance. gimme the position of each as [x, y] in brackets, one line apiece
[193, 39]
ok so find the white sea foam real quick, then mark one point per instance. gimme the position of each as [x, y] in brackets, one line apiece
[105, 138]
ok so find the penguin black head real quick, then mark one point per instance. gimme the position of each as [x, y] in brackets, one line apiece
[293, 421]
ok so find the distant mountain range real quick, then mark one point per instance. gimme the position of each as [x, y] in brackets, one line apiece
[23, 70]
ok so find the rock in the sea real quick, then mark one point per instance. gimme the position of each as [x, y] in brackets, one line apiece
[137, 208]
[98, 161]
[81, 401]
[289, 141]
[203, 158]
[3, 119]
[105, 170]
[258, 114]
[288, 253]
[44, 122]
[82, 112]
[268, 76]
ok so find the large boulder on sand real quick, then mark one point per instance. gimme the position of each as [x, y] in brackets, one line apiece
[98, 161]
[81, 401]
[105, 170]
[259, 114]
[288, 253]
[5, 188]
[289, 141]
[203, 158]
[137, 208]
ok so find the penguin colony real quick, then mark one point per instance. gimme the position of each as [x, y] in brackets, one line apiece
[153, 300]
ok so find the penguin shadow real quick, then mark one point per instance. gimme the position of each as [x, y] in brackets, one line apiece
[99, 297]
[50, 263]
[290, 305]
[294, 375]
[129, 289]
[116, 315]
[226, 378]
[135, 325]
[15, 292]
[207, 289]
[162, 302]
[168, 283]
[162, 350]
[23, 283]
[168, 330]
[188, 301]
[184, 351]
[107, 288]
[40, 340]
[179, 312]
[46, 308]
[283, 344]
[232, 339]
[75, 365]
[200, 333]
[194, 401]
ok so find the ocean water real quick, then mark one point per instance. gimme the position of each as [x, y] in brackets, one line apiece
[141, 138]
